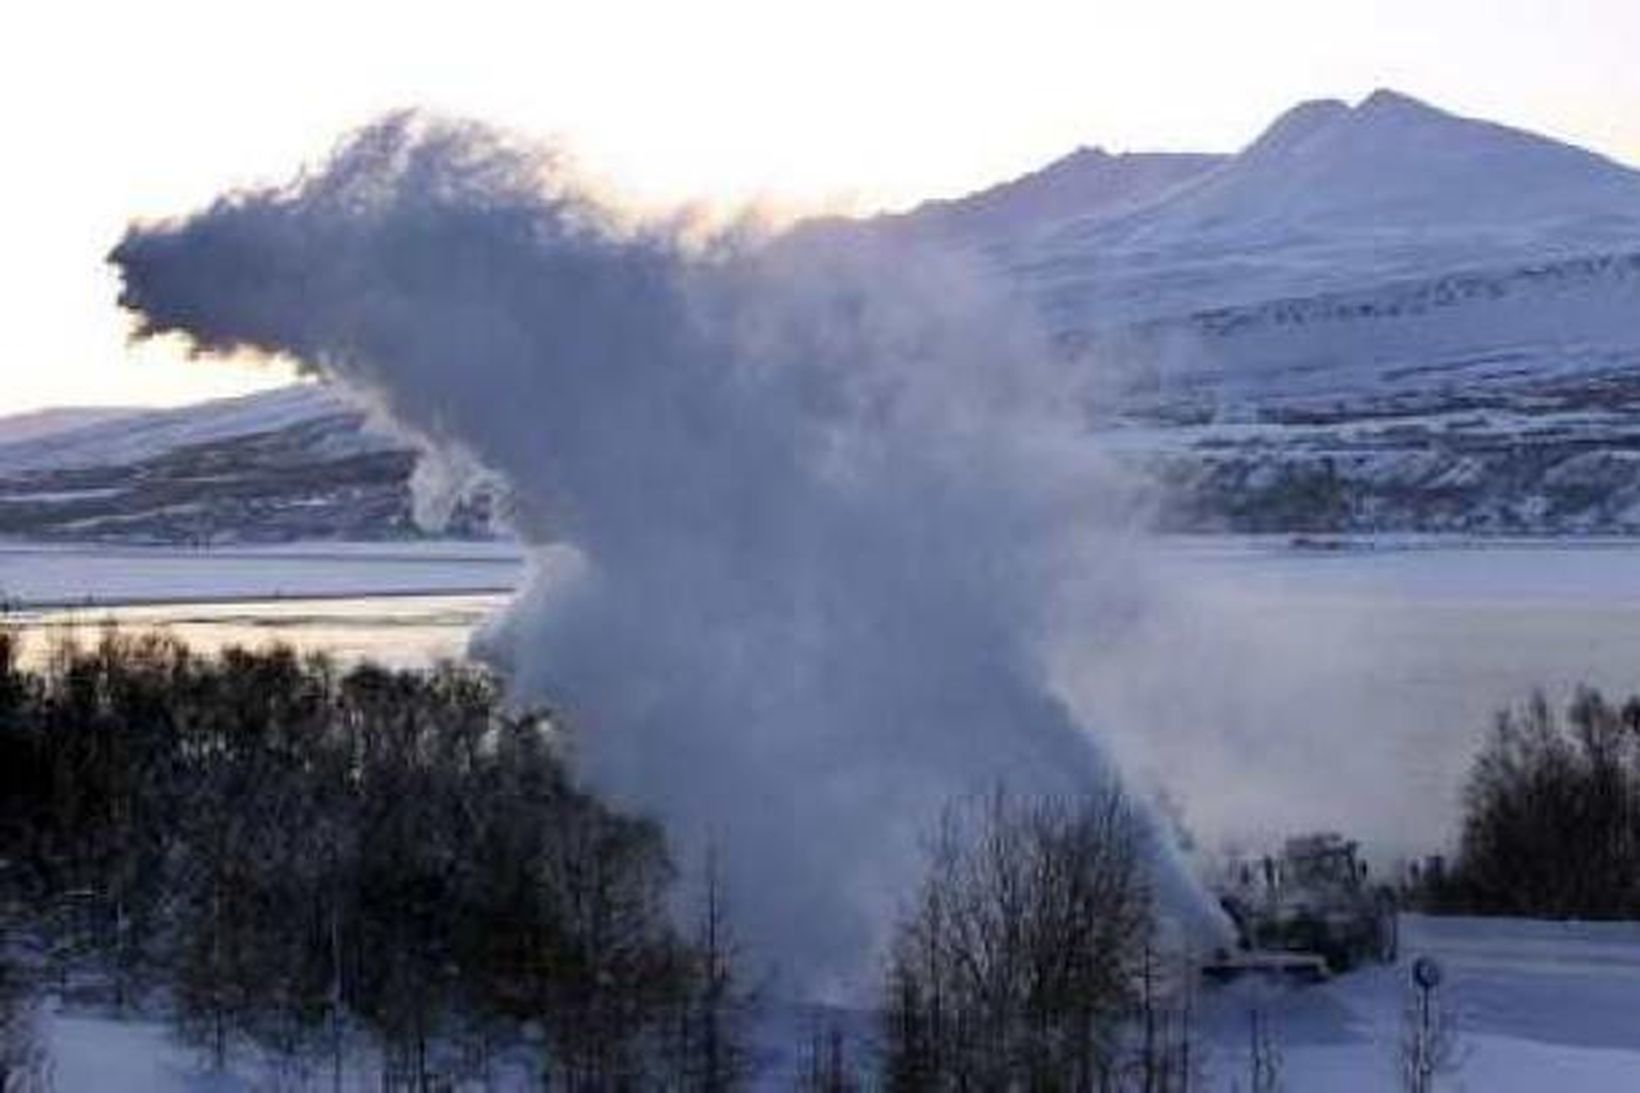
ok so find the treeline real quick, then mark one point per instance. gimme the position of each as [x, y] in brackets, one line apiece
[1551, 816]
[294, 857]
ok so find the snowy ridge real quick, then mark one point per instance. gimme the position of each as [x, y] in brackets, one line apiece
[1088, 182]
[136, 435]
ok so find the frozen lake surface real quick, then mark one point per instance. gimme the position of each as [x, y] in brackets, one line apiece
[74, 576]
[399, 603]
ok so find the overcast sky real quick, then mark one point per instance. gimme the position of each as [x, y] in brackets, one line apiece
[145, 109]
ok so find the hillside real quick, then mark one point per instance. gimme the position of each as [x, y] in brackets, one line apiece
[290, 464]
[1090, 182]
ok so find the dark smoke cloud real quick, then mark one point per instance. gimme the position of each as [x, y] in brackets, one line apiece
[807, 514]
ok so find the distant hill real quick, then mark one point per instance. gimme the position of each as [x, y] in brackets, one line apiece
[294, 463]
[38, 424]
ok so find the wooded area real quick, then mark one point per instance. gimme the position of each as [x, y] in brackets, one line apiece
[290, 856]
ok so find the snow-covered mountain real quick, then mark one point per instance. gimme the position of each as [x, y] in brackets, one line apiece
[1378, 316]
[1334, 197]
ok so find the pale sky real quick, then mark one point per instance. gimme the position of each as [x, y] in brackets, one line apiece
[149, 108]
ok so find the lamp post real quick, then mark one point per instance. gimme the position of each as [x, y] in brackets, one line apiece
[1426, 976]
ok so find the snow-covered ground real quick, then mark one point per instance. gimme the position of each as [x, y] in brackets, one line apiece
[1537, 1006]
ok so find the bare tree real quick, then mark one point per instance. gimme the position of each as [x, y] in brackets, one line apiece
[1019, 961]
[1551, 821]
[827, 1067]
[1167, 1057]
[715, 1007]
[24, 1062]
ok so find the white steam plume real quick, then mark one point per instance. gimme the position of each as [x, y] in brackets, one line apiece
[828, 505]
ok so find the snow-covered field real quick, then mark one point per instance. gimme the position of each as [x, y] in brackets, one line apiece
[1536, 1006]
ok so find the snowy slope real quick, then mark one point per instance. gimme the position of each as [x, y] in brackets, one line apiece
[1527, 322]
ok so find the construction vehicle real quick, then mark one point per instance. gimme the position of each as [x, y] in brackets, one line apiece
[1307, 913]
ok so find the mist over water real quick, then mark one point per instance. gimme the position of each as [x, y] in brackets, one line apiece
[808, 518]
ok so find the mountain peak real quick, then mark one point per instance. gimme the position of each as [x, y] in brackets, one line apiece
[1395, 162]
[1297, 125]
[1387, 99]
[1324, 119]
[1311, 110]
